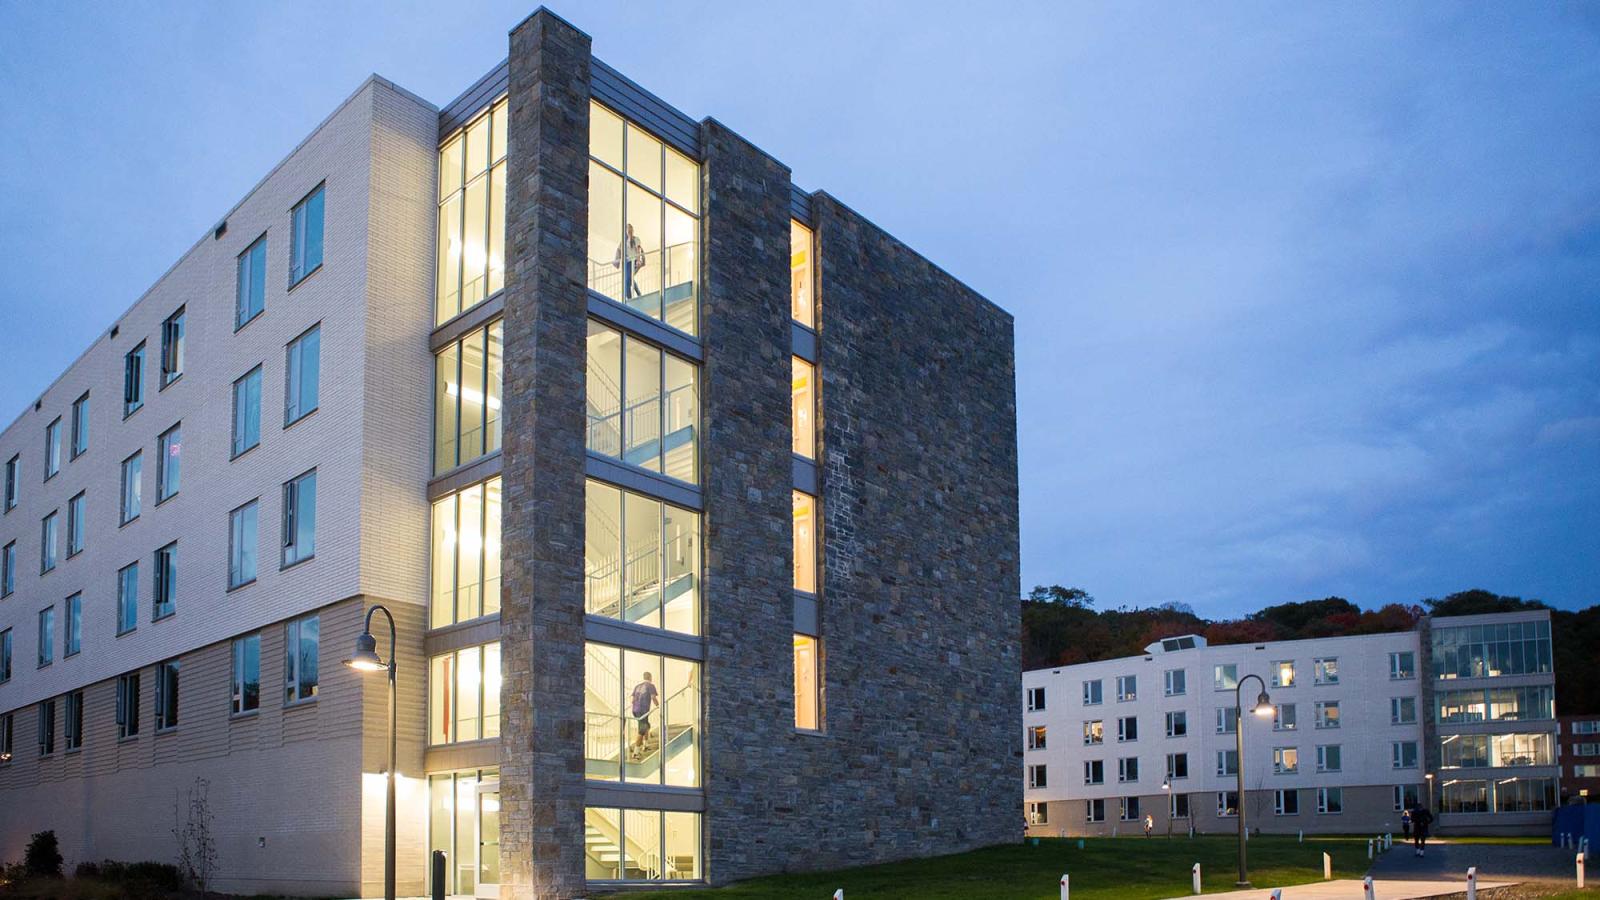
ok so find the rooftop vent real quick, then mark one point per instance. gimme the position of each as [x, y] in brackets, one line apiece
[220, 230]
[1174, 644]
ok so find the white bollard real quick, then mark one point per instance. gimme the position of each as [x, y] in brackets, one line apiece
[1300, 835]
[1369, 848]
[1063, 887]
[1195, 877]
[839, 894]
[1366, 885]
[1580, 871]
[1327, 867]
[1388, 840]
[1472, 883]
[1277, 894]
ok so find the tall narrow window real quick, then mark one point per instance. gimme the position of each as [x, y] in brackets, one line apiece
[305, 245]
[75, 524]
[246, 674]
[805, 543]
[803, 408]
[466, 554]
[72, 625]
[5, 655]
[247, 411]
[251, 293]
[52, 448]
[47, 636]
[8, 569]
[464, 695]
[167, 695]
[171, 470]
[80, 425]
[128, 598]
[641, 560]
[13, 470]
[802, 299]
[47, 727]
[472, 213]
[642, 713]
[172, 348]
[133, 381]
[165, 600]
[807, 703]
[302, 374]
[300, 518]
[72, 724]
[127, 706]
[301, 643]
[467, 386]
[47, 542]
[643, 404]
[132, 489]
[242, 545]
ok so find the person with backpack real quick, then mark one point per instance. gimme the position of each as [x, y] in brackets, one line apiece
[645, 697]
[1405, 823]
[1421, 818]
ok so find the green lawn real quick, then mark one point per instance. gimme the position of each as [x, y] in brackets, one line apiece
[1126, 868]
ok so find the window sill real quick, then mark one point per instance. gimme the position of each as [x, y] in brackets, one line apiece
[127, 632]
[162, 732]
[300, 704]
[303, 278]
[290, 423]
[163, 617]
[161, 500]
[70, 655]
[52, 475]
[128, 739]
[239, 326]
[168, 382]
[248, 715]
[72, 553]
[289, 565]
[43, 665]
[240, 586]
[126, 522]
[129, 413]
[239, 453]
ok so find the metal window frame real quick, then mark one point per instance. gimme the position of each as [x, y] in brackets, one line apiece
[299, 231]
[172, 334]
[486, 110]
[294, 375]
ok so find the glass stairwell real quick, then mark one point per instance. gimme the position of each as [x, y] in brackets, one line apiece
[610, 750]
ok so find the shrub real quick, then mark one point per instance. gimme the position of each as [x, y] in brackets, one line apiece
[43, 856]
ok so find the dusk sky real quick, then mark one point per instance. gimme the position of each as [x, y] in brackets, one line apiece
[1307, 297]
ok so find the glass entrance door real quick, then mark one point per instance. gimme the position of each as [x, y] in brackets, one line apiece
[488, 815]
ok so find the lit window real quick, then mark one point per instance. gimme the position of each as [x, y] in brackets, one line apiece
[467, 389]
[466, 554]
[170, 468]
[1225, 677]
[1283, 673]
[641, 845]
[1227, 804]
[247, 411]
[1285, 760]
[642, 716]
[805, 543]
[803, 400]
[300, 519]
[802, 276]
[300, 659]
[807, 705]
[1325, 671]
[251, 291]
[1327, 713]
[1127, 688]
[305, 237]
[1402, 665]
[246, 674]
[1036, 737]
[1094, 731]
[643, 404]
[472, 212]
[302, 374]
[1039, 813]
[464, 695]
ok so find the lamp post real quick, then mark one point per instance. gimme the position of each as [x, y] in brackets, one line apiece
[1263, 707]
[365, 659]
[1167, 786]
[1429, 778]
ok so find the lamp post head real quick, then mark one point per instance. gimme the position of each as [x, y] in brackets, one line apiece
[1263, 705]
[1428, 776]
[365, 659]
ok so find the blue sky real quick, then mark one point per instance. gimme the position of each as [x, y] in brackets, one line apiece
[1307, 297]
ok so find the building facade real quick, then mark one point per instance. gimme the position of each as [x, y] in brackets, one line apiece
[1359, 728]
[1580, 758]
[633, 437]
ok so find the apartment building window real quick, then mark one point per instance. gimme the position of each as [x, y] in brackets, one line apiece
[1227, 804]
[1178, 806]
[47, 542]
[1227, 720]
[1175, 682]
[1285, 760]
[300, 519]
[127, 706]
[1523, 750]
[1127, 729]
[1036, 737]
[5, 737]
[468, 381]
[5, 655]
[472, 213]
[1586, 726]
[242, 545]
[251, 292]
[1039, 813]
[305, 236]
[167, 695]
[8, 569]
[1286, 802]
[132, 487]
[642, 713]
[169, 473]
[1227, 762]
[128, 598]
[464, 695]
[72, 722]
[1283, 717]
[47, 636]
[47, 727]
[80, 425]
[1094, 732]
[1283, 673]
[643, 404]
[72, 626]
[1327, 713]
[1328, 758]
[172, 348]
[13, 470]
[803, 406]
[1035, 697]
[1092, 693]
[52, 448]
[1524, 795]
[1129, 809]
[246, 681]
[644, 204]
[807, 684]
[164, 599]
[1330, 801]
[1094, 810]
[1128, 769]
[1177, 723]
[1225, 677]
[1404, 754]
[1038, 776]
[1403, 710]
[133, 381]
[75, 524]
[642, 559]
[805, 543]
[1491, 651]
[625, 836]
[1325, 670]
[1402, 665]
[1464, 796]
[1177, 766]
[1127, 688]
[1464, 751]
[1586, 749]
[1521, 703]
[247, 411]
[466, 554]
[802, 276]
[302, 375]
[1094, 771]
[301, 645]
[1406, 796]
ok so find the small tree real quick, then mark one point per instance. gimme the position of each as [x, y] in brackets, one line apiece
[43, 856]
[191, 825]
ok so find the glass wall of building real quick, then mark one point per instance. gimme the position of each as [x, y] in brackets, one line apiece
[467, 383]
[1514, 704]
[472, 213]
[1468, 751]
[1502, 795]
[643, 404]
[641, 560]
[642, 715]
[466, 554]
[464, 695]
[641, 845]
[1490, 651]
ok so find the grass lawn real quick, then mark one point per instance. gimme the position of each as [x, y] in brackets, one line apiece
[1124, 868]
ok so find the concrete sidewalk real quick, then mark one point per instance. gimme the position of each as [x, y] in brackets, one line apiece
[1352, 889]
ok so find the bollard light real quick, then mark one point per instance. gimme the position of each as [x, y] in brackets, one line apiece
[1063, 886]
[1277, 894]
[1366, 885]
[1327, 867]
[1195, 875]
[1472, 883]
[1580, 871]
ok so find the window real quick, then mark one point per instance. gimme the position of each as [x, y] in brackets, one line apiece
[80, 425]
[251, 293]
[133, 381]
[8, 569]
[1586, 749]
[1094, 810]
[1038, 777]
[5, 738]
[75, 524]
[468, 380]
[72, 626]
[1405, 754]
[1283, 717]
[72, 724]
[1177, 766]
[1283, 673]
[1177, 723]
[471, 265]
[52, 448]
[1586, 726]
[1094, 732]
[247, 411]
[1464, 751]
[1327, 713]
[643, 404]
[246, 688]
[1524, 795]
[625, 839]
[644, 200]
[466, 554]
[641, 560]
[1039, 813]
[300, 519]
[47, 727]
[1035, 697]
[47, 542]
[13, 467]
[1286, 802]
[1127, 688]
[167, 695]
[170, 471]
[1091, 693]
[242, 545]
[1128, 769]
[1462, 796]
[1176, 682]
[1094, 771]
[1036, 737]
[47, 636]
[5, 655]
[1330, 800]
[1586, 770]
[805, 543]
[1325, 670]
[1129, 809]
[172, 348]
[1285, 760]
[302, 373]
[1406, 796]
[127, 706]
[803, 405]
[802, 274]
[1225, 677]
[128, 598]
[132, 473]
[1521, 703]
[305, 237]
[1491, 651]
[1523, 750]
[1127, 729]
[1403, 710]
[1227, 719]
[807, 696]
[1227, 804]
[164, 599]
[1328, 758]
[1227, 762]
[464, 695]
[300, 659]
[643, 717]
[1402, 665]
[1178, 806]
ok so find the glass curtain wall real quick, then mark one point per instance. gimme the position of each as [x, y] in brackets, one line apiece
[472, 213]
[642, 714]
[466, 554]
[464, 695]
[641, 560]
[643, 404]
[467, 384]
[641, 845]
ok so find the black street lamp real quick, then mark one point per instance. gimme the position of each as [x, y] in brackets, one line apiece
[365, 659]
[1262, 708]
